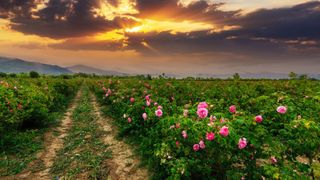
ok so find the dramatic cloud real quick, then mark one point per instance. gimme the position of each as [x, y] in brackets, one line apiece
[61, 19]
[197, 10]
[264, 32]
[167, 29]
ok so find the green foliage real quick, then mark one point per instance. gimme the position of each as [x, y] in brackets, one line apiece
[34, 74]
[287, 137]
[27, 108]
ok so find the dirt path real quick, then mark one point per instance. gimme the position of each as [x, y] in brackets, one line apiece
[123, 164]
[52, 145]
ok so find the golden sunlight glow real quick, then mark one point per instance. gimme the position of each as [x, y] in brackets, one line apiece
[146, 45]
[10, 37]
[149, 25]
[114, 35]
[109, 11]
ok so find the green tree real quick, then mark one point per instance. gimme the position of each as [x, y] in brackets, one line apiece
[236, 76]
[2, 74]
[34, 74]
[293, 75]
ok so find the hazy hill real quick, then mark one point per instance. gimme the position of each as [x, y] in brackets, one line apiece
[9, 65]
[91, 70]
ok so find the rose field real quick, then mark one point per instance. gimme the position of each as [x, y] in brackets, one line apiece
[141, 128]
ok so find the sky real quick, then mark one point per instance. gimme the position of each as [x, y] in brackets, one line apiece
[185, 37]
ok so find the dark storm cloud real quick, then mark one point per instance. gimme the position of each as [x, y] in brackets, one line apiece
[265, 32]
[64, 19]
[300, 21]
[171, 9]
[21, 7]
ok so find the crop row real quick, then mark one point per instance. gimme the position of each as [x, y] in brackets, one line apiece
[219, 129]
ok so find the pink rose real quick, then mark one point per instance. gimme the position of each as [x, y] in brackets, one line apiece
[107, 94]
[177, 143]
[159, 107]
[224, 131]
[155, 103]
[196, 147]
[202, 145]
[282, 109]
[222, 120]
[159, 112]
[177, 125]
[144, 116]
[213, 118]
[147, 97]
[233, 109]
[148, 103]
[202, 105]
[129, 120]
[258, 119]
[273, 160]
[184, 134]
[210, 136]
[242, 143]
[132, 100]
[202, 113]
[185, 113]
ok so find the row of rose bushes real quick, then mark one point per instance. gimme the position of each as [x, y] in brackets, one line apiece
[219, 129]
[27, 103]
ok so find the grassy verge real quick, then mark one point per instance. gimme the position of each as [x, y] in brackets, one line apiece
[83, 152]
[19, 148]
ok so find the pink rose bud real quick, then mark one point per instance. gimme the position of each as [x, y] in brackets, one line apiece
[132, 100]
[196, 147]
[258, 119]
[184, 134]
[242, 143]
[282, 109]
[148, 103]
[177, 125]
[185, 113]
[177, 143]
[159, 112]
[210, 136]
[129, 120]
[202, 113]
[144, 116]
[202, 105]
[212, 118]
[233, 109]
[224, 131]
[202, 145]
[273, 160]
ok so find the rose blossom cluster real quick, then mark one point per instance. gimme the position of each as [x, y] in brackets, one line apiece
[202, 111]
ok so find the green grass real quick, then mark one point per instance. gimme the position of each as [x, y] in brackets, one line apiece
[19, 148]
[83, 152]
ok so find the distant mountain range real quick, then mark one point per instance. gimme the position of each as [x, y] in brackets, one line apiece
[11, 65]
[91, 70]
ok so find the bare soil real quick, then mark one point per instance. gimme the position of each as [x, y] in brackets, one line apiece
[123, 164]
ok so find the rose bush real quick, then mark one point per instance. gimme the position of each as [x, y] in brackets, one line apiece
[219, 129]
[28, 102]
